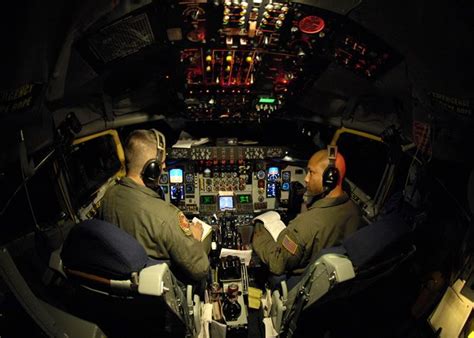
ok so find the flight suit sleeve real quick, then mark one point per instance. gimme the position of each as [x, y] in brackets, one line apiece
[187, 253]
[281, 256]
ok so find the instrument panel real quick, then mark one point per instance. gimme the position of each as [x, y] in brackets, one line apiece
[235, 60]
[244, 180]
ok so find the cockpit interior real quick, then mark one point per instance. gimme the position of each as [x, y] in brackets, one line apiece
[244, 92]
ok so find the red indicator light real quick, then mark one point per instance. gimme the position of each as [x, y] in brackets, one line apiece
[311, 24]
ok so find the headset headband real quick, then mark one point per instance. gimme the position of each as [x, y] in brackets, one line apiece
[160, 145]
[332, 154]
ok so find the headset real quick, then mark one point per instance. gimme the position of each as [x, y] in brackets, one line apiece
[331, 173]
[152, 169]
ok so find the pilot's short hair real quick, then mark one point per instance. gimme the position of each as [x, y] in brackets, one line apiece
[140, 147]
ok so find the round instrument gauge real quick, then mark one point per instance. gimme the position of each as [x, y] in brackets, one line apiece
[311, 24]
[189, 178]
[163, 179]
[285, 176]
[261, 174]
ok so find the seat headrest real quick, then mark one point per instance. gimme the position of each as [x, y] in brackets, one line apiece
[100, 248]
[367, 243]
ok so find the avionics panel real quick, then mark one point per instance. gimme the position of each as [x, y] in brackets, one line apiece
[208, 180]
[273, 179]
[232, 153]
[232, 60]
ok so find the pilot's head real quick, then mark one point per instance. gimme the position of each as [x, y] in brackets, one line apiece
[145, 154]
[317, 165]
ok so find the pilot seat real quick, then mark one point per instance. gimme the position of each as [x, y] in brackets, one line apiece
[326, 299]
[117, 286]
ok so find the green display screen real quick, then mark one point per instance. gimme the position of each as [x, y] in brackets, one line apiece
[209, 199]
[243, 199]
[266, 100]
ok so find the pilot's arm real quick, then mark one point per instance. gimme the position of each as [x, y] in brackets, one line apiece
[286, 254]
[186, 252]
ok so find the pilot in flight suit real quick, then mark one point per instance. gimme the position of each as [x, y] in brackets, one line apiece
[330, 219]
[161, 228]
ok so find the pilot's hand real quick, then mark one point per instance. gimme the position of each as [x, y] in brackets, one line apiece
[197, 230]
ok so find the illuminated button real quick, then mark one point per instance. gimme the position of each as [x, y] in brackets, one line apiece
[249, 59]
[228, 58]
[208, 58]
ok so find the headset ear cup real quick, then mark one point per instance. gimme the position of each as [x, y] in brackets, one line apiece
[330, 178]
[151, 171]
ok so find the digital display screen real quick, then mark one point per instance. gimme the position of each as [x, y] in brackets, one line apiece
[273, 171]
[271, 190]
[208, 199]
[226, 202]
[244, 199]
[273, 174]
[176, 175]
[176, 193]
[266, 100]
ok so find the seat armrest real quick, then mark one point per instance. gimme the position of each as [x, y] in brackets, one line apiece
[339, 267]
[56, 263]
[152, 280]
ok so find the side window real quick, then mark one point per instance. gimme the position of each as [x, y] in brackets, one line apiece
[365, 161]
[92, 162]
[367, 171]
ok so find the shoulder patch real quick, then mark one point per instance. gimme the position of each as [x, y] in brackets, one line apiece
[289, 245]
[184, 224]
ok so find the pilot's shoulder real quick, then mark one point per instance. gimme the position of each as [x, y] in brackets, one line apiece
[170, 213]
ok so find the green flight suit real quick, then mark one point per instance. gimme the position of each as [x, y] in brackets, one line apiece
[326, 223]
[160, 227]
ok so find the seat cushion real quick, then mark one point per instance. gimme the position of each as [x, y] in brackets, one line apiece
[103, 249]
[370, 241]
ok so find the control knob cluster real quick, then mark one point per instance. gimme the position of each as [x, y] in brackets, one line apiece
[254, 153]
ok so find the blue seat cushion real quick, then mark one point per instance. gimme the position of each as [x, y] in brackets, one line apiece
[370, 241]
[103, 249]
